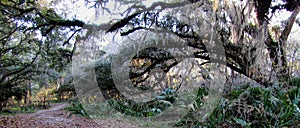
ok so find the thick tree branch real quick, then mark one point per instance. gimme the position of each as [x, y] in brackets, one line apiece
[67, 41]
[287, 30]
[67, 23]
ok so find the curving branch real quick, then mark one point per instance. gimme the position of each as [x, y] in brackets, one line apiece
[287, 29]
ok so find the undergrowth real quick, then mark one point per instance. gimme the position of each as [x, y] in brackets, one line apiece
[248, 106]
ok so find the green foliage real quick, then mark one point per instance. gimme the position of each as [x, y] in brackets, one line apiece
[104, 77]
[253, 107]
[246, 106]
[76, 108]
[294, 82]
[151, 108]
[19, 109]
[189, 120]
[31, 46]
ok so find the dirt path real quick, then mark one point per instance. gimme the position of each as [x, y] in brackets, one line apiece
[57, 117]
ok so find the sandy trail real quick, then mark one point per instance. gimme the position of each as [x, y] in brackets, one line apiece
[57, 117]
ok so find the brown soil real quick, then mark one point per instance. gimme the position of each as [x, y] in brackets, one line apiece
[57, 117]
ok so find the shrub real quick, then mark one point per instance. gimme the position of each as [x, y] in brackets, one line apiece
[253, 107]
[76, 108]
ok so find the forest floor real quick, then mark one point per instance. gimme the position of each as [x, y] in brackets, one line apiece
[57, 117]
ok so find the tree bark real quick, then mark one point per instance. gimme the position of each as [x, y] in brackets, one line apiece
[277, 49]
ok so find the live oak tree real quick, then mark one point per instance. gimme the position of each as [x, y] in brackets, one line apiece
[34, 36]
[243, 27]
[34, 46]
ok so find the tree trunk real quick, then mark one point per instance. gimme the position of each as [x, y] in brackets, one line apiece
[1, 106]
[277, 49]
[28, 93]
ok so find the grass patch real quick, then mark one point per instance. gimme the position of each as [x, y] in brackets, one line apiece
[18, 109]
